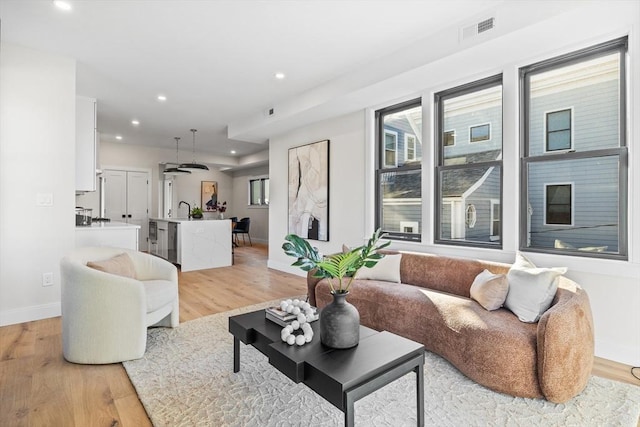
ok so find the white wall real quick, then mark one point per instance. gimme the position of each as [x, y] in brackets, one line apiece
[259, 228]
[37, 156]
[613, 286]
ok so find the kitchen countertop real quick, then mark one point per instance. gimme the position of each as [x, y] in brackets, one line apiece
[111, 225]
[186, 219]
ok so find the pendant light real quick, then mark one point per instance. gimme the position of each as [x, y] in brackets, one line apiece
[194, 167]
[176, 171]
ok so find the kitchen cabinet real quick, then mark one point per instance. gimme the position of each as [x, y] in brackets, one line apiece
[126, 199]
[86, 143]
[112, 234]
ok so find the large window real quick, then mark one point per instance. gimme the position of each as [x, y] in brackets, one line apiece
[398, 171]
[259, 191]
[574, 165]
[469, 175]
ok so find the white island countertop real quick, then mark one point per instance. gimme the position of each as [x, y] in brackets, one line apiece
[181, 219]
[110, 225]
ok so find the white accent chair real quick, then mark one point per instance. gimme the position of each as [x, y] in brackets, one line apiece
[105, 316]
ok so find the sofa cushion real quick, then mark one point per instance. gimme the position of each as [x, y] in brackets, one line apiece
[490, 290]
[120, 265]
[159, 293]
[387, 269]
[531, 289]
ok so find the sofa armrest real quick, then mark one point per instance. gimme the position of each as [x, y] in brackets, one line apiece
[149, 267]
[565, 344]
[312, 282]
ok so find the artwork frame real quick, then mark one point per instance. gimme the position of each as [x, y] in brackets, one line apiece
[209, 195]
[308, 191]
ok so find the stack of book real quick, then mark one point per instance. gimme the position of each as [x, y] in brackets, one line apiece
[283, 318]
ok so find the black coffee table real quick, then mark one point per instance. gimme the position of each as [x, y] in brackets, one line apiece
[339, 376]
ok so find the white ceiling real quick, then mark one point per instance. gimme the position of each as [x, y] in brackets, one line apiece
[215, 60]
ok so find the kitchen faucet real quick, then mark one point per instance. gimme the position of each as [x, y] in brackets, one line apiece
[188, 206]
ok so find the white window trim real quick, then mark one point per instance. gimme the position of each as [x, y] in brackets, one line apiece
[479, 125]
[544, 130]
[493, 237]
[453, 131]
[406, 147]
[544, 204]
[395, 134]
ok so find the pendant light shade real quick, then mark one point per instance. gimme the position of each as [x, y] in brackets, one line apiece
[194, 167]
[176, 171]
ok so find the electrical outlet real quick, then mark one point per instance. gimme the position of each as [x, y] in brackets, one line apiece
[47, 279]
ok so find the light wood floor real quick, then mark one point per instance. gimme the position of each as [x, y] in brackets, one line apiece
[39, 388]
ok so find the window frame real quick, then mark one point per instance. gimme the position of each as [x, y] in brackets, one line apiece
[619, 45]
[439, 98]
[545, 124]
[395, 150]
[572, 188]
[381, 169]
[262, 179]
[488, 138]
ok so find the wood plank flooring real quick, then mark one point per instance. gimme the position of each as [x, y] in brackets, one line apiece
[39, 388]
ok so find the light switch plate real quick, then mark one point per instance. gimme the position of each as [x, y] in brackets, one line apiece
[44, 199]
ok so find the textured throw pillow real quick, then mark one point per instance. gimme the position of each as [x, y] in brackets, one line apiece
[387, 269]
[490, 290]
[120, 265]
[531, 289]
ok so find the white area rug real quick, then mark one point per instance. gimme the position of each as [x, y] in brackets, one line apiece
[186, 379]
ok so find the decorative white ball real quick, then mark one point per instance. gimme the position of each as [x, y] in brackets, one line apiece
[306, 327]
[283, 305]
[295, 325]
[302, 318]
[300, 340]
[291, 339]
[308, 338]
[288, 301]
[289, 328]
[305, 306]
[296, 301]
[289, 309]
[295, 310]
[284, 335]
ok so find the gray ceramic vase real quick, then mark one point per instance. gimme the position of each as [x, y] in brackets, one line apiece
[339, 323]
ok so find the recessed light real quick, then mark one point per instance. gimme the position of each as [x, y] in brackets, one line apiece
[118, 137]
[279, 76]
[162, 98]
[233, 151]
[62, 5]
[135, 122]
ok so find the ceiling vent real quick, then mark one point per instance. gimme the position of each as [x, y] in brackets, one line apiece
[477, 28]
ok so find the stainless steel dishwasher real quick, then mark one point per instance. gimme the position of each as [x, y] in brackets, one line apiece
[173, 242]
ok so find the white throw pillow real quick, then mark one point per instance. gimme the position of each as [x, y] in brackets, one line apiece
[387, 269]
[490, 290]
[531, 289]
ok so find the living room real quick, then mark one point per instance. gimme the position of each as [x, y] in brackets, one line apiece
[40, 159]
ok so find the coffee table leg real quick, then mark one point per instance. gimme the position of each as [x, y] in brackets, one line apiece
[236, 355]
[349, 416]
[420, 393]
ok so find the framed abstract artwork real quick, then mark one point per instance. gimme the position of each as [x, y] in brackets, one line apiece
[309, 191]
[209, 192]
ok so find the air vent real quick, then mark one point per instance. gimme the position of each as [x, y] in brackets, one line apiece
[477, 28]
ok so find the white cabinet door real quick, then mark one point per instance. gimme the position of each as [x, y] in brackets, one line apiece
[126, 200]
[86, 144]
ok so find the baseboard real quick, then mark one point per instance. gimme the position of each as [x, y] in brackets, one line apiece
[28, 314]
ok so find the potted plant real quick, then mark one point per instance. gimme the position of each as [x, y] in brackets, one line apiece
[196, 212]
[339, 321]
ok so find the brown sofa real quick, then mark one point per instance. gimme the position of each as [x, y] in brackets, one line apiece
[550, 359]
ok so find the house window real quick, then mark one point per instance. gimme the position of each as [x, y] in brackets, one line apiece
[558, 200]
[495, 220]
[558, 130]
[390, 149]
[259, 191]
[469, 176]
[399, 181]
[480, 133]
[576, 198]
[449, 138]
[410, 147]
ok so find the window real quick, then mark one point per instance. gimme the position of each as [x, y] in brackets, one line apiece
[410, 147]
[390, 148]
[574, 161]
[558, 209]
[449, 138]
[496, 224]
[480, 133]
[259, 191]
[399, 180]
[558, 133]
[469, 176]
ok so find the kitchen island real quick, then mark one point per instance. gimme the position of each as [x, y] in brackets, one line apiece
[196, 244]
[115, 234]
